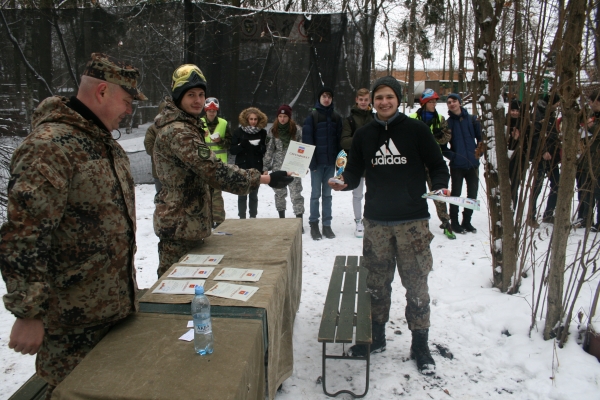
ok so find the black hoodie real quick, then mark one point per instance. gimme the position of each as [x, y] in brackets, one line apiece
[394, 157]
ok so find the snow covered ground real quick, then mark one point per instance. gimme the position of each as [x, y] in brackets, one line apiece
[486, 331]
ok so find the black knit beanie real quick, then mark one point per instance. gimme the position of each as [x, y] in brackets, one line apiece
[389, 81]
[325, 89]
[515, 105]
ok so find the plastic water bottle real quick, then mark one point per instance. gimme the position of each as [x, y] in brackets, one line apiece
[203, 336]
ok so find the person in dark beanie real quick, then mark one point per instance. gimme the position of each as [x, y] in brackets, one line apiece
[439, 128]
[394, 151]
[545, 157]
[189, 170]
[463, 153]
[323, 129]
[517, 134]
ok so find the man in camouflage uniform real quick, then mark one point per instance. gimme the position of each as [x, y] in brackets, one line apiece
[395, 150]
[67, 247]
[218, 138]
[188, 170]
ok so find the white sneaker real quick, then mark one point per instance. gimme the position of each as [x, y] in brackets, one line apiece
[360, 228]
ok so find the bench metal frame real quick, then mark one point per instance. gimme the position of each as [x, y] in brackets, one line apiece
[339, 320]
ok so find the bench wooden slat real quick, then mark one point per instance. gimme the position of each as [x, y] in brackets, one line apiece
[363, 311]
[330, 311]
[346, 320]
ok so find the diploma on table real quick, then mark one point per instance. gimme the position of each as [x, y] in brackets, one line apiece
[297, 159]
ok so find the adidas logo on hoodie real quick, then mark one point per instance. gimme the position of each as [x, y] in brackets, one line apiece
[388, 154]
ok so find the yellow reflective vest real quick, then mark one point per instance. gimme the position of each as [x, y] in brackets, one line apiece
[216, 148]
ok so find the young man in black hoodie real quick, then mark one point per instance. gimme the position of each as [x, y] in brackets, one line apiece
[394, 151]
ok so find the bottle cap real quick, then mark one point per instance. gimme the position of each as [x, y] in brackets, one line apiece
[199, 289]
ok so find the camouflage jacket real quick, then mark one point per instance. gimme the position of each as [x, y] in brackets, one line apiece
[187, 170]
[275, 154]
[67, 247]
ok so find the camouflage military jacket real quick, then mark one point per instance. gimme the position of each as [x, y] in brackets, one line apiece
[67, 248]
[275, 154]
[187, 170]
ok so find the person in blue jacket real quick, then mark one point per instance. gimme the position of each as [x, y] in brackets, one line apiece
[464, 153]
[323, 129]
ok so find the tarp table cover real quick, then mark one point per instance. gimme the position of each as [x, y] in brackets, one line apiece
[275, 246]
[142, 358]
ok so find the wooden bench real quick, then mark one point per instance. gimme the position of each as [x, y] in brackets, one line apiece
[339, 319]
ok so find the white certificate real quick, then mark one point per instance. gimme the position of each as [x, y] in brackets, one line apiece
[231, 291]
[201, 259]
[297, 159]
[191, 272]
[238, 274]
[178, 287]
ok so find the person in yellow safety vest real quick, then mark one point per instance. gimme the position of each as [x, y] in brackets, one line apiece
[218, 139]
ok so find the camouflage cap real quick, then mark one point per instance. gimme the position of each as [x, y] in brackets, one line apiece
[109, 69]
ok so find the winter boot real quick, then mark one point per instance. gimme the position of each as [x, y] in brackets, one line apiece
[378, 346]
[300, 216]
[315, 233]
[328, 232]
[282, 214]
[360, 228]
[448, 230]
[419, 350]
[468, 227]
[456, 228]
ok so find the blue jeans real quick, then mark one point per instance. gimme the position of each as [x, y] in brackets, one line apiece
[320, 188]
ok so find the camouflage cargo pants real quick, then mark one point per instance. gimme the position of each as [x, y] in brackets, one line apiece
[295, 195]
[407, 247]
[170, 251]
[60, 354]
[218, 206]
[440, 206]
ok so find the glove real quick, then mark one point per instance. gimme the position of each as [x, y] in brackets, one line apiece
[442, 192]
[280, 179]
[481, 148]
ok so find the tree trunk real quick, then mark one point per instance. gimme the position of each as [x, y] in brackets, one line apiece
[461, 46]
[43, 48]
[568, 65]
[502, 242]
[597, 38]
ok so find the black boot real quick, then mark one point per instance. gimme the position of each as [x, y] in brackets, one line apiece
[328, 232]
[300, 216]
[456, 228]
[315, 233]
[466, 225]
[419, 350]
[282, 214]
[378, 346]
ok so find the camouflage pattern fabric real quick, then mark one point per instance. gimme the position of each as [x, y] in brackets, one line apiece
[60, 354]
[188, 169]
[218, 206]
[272, 161]
[171, 251]
[67, 247]
[71, 224]
[406, 246]
[149, 140]
[109, 69]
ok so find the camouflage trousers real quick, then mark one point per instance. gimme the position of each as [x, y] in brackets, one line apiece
[406, 246]
[218, 206]
[440, 206]
[60, 354]
[295, 195]
[170, 251]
